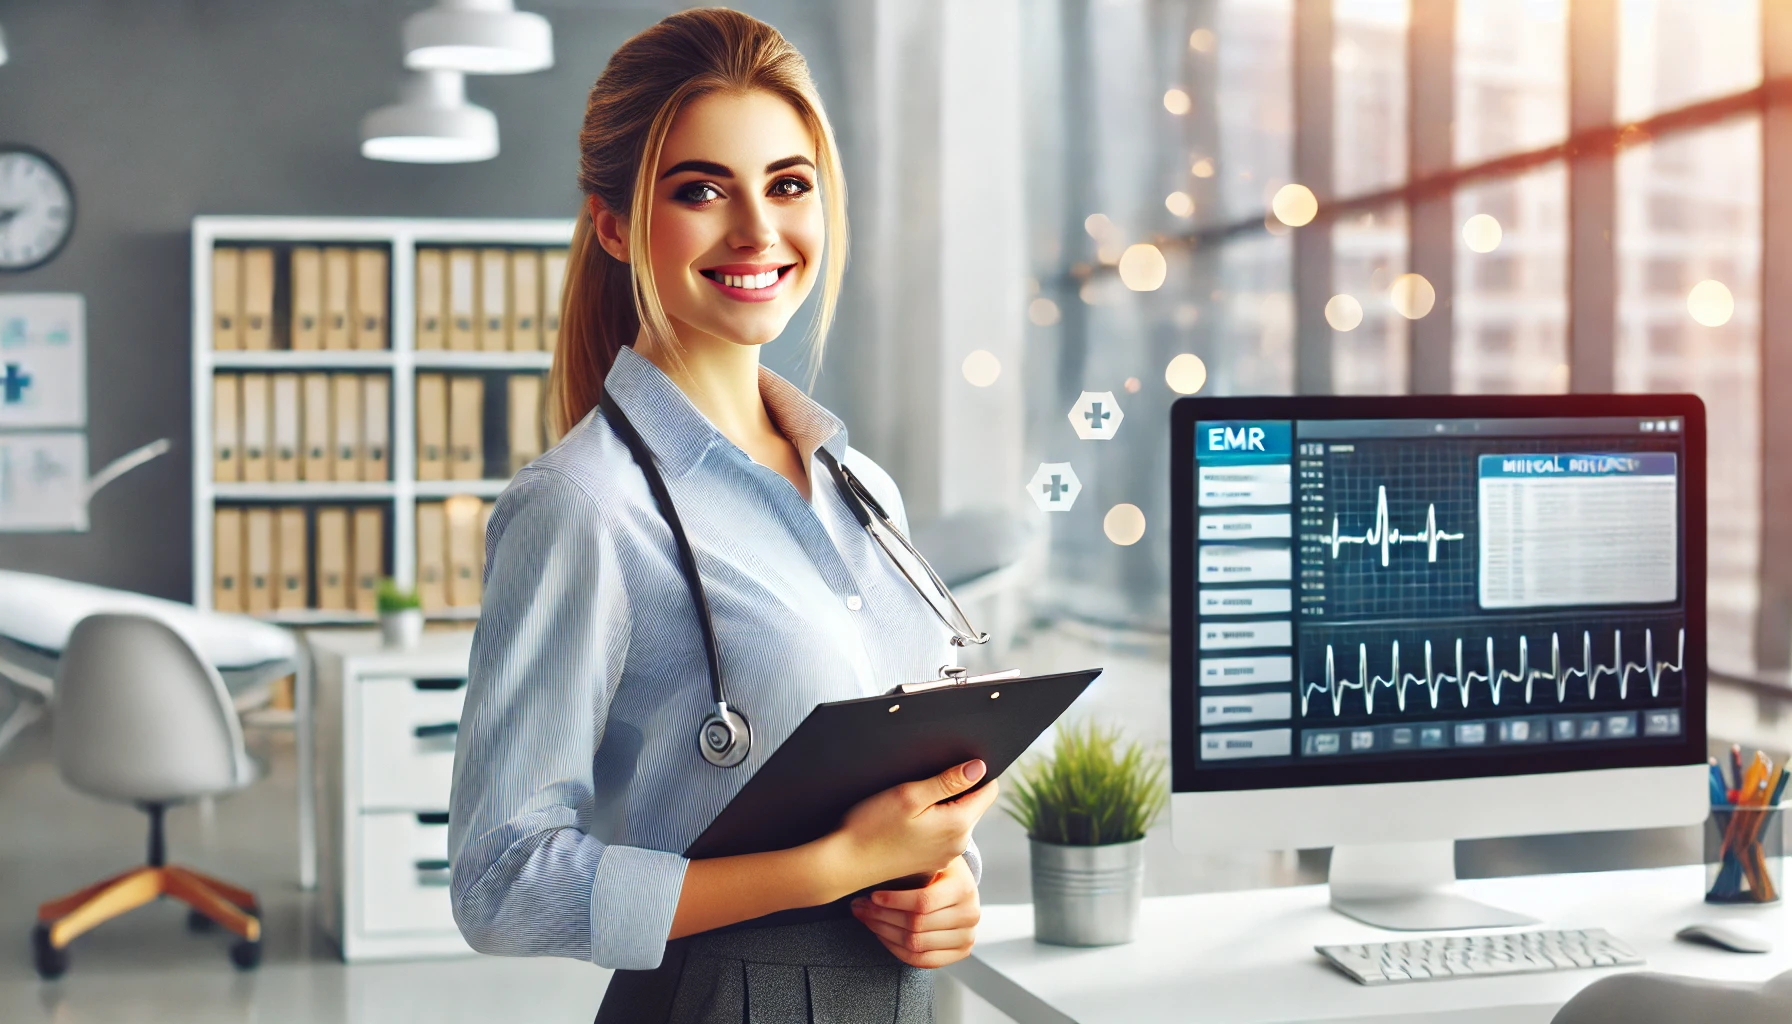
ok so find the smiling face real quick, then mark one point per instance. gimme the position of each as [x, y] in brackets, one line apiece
[737, 227]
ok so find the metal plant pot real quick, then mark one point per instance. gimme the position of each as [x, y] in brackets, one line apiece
[1087, 895]
[401, 630]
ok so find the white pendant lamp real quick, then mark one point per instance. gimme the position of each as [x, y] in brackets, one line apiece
[2, 46]
[431, 124]
[478, 37]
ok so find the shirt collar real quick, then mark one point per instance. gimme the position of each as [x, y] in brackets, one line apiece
[678, 433]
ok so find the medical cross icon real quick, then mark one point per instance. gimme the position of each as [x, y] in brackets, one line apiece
[13, 384]
[1096, 416]
[1054, 486]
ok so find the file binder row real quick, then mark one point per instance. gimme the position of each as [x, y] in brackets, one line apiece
[490, 300]
[451, 424]
[336, 298]
[263, 558]
[290, 426]
[451, 552]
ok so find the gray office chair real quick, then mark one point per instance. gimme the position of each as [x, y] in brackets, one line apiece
[1645, 997]
[139, 717]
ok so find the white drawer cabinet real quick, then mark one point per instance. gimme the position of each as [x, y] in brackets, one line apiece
[386, 724]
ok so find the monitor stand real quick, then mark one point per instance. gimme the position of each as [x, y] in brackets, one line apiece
[1409, 887]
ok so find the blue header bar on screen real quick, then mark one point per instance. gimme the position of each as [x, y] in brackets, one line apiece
[1244, 441]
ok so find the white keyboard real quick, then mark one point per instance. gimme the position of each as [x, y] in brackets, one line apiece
[1473, 956]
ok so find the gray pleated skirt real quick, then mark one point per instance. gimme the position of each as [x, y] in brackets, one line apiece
[822, 972]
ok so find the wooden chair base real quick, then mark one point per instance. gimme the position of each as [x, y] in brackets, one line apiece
[67, 917]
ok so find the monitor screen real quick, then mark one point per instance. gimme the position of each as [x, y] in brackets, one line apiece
[1375, 590]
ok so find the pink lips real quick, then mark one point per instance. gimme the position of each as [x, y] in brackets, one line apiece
[740, 294]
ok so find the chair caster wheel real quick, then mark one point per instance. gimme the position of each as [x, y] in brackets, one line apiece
[245, 954]
[49, 961]
[197, 922]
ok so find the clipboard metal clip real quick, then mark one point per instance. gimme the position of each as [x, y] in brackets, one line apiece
[954, 675]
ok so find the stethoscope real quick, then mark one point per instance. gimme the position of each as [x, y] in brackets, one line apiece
[726, 737]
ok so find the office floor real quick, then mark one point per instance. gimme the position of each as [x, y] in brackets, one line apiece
[146, 967]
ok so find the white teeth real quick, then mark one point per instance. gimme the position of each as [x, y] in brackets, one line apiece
[750, 282]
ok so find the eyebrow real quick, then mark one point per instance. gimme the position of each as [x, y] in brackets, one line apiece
[718, 170]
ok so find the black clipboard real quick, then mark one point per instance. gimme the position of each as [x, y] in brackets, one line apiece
[848, 750]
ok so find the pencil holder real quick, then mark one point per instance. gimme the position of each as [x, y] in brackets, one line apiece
[1744, 854]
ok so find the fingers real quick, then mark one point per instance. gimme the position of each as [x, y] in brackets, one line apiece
[924, 949]
[949, 888]
[952, 918]
[954, 780]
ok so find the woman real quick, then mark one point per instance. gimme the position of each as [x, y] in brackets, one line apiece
[714, 204]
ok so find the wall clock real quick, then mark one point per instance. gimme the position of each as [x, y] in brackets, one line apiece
[37, 208]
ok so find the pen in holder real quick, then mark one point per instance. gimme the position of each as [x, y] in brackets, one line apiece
[1745, 840]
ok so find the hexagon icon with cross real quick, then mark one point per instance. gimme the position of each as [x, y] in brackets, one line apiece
[1054, 486]
[1096, 415]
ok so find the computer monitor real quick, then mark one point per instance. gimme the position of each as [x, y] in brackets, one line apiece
[1402, 621]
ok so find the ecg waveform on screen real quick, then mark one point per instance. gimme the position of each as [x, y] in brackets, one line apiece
[1432, 682]
[1385, 535]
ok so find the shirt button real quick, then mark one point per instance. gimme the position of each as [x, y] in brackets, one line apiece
[854, 602]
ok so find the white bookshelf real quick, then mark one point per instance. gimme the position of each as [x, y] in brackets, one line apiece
[403, 361]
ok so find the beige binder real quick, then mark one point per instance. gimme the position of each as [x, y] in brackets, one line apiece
[227, 427]
[284, 445]
[314, 425]
[525, 420]
[227, 297]
[332, 559]
[258, 299]
[464, 576]
[429, 298]
[463, 282]
[256, 423]
[553, 278]
[307, 298]
[370, 299]
[292, 565]
[525, 300]
[227, 560]
[432, 426]
[345, 428]
[258, 561]
[338, 297]
[376, 449]
[369, 557]
[432, 556]
[494, 300]
[466, 428]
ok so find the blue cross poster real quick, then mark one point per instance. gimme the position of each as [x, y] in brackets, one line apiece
[43, 412]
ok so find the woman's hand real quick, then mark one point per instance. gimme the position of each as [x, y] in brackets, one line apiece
[916, 828]
[929, 927]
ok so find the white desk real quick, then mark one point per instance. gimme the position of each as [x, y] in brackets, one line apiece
[1247, 957]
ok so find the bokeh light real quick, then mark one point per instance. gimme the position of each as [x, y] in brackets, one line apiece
[1108, 253]
[1274, 226]
[1711, 303]
[1043, 312]
[1179, 204]
[982, 368]
[1202, 168]
[1186, 374]
[1142, 267]
[1098, 226]
[1295, 205]
[1343, 312]
[1481, 233]
[1177, 102]
[1132, 385]
[1124, 524]
[1201, 40]
[1412, 296]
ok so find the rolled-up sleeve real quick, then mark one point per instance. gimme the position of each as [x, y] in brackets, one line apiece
[548, 654]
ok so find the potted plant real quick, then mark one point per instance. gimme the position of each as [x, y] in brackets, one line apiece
[401, 615]
[1086, 809]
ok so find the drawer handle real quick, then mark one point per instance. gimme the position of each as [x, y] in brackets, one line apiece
[438, 729]
[433, 865]
[438, 684]
[432, 817]
[433, 873]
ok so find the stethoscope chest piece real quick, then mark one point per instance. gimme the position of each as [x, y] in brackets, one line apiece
[725, 738]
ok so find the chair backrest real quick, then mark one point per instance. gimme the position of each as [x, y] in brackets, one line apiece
[138, 716]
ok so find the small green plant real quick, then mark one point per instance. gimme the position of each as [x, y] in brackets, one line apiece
[1090, 792]
[393, 598]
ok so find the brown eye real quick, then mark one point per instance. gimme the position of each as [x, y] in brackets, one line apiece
[697, 192]
[791, 188]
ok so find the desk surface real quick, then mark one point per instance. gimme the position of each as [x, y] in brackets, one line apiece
[1248, 957]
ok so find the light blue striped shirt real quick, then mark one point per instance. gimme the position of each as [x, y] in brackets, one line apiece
[577, 778]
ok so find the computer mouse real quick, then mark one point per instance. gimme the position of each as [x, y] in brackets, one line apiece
[1735, 936]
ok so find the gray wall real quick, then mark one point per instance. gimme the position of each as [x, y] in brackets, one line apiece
[161, 111]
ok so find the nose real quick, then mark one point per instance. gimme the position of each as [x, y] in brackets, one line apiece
[752, 230]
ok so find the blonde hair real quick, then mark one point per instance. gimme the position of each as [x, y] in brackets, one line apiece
[605, 303]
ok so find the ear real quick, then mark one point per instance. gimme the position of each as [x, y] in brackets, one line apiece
[612, 231]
